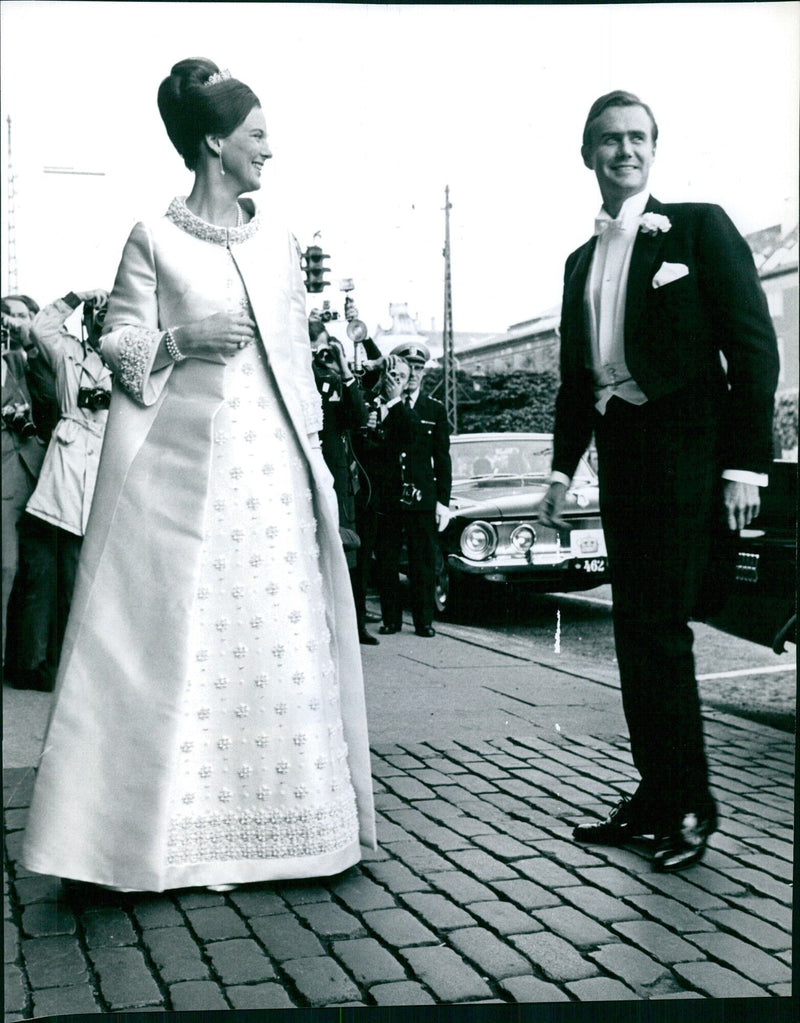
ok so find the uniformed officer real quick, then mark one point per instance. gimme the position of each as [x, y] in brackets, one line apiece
[419, 437]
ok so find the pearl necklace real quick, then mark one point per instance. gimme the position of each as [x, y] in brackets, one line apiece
[239, 215]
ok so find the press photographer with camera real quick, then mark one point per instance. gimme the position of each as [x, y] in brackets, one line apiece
[18, 312]
[22, 456]
[52, 528]
[343, 410]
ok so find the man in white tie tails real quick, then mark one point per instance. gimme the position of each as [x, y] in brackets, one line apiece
[684, 443]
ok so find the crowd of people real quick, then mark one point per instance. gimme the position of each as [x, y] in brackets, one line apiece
[197, 491]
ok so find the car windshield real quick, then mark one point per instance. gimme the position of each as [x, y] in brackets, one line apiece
[504, 457]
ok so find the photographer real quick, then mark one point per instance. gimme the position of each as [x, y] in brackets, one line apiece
[343, 410]
[22, 456]
[52, 528]
[18, 313]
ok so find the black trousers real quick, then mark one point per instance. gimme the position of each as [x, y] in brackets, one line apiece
[419, 530]
[660, 496]
[41, 601]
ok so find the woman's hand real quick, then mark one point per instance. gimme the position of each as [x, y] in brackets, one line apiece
[215, 336]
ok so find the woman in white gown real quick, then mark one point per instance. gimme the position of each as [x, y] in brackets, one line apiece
[208, 725]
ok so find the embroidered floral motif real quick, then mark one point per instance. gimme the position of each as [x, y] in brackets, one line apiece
[256, 622]
[273, 589]
[136, 345]
[247, 369]
[290, 557]
[221, 438]
[278, 651]
[237, 592]
[262, 741]
[271, 532]
[263, 834]
[321, 763]
[280, 433]
[300, 739]
[255, 560]
[225, 795]
[253, 503]
[203, 593]
[187, 746]
[219, 504]
[221, 624]
[204, 713]
[261, 680]
[267, 469]
[234, 402]
[282, 766]
[299, 678]
[286, 499]
[180, 215]
[201, 655]
[294, 617]
[222, 682]
[220, 564]
[652, 223]
[300, 792]
[205, 771]
[240, 651]
[242, 710]
[280, 708]
[237, 535]
[313, 704]
[236, 472]
[188, 798]
[250, 436]
[224, 743]
[245, 771]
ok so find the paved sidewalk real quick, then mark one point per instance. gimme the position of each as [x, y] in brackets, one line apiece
[476, 894]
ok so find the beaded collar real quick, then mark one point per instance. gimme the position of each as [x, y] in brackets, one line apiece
[180, 215]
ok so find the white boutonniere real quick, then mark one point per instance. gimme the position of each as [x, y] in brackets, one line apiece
[652, 223]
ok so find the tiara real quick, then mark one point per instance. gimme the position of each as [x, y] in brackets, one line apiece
[218, 76]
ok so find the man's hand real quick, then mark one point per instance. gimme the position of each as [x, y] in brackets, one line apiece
[97, 296]
[742, 503]
[552, 505]
[442, 516]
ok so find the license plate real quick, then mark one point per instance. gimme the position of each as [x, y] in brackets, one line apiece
[587, 543]
[591, 566]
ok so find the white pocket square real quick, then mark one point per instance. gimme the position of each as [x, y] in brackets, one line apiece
[669, 272]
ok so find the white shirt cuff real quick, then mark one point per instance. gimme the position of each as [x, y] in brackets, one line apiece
[758, 479]
[559, 477]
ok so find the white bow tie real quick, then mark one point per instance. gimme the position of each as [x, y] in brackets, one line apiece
[603, 224]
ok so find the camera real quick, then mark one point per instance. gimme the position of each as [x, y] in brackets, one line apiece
[17, 419]
[94, 314]
[409, 494]
[94, 398]
[325, 355]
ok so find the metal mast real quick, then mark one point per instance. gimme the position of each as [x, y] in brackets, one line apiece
[12, 238]
[450, 378]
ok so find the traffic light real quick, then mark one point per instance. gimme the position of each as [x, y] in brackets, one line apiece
[315, 269]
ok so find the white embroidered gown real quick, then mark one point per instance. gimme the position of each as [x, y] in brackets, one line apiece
[255, 781]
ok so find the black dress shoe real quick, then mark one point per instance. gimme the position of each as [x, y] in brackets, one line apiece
[621, 825]
[425, 630]
[684, 844]
[366, 638]
[389, 630]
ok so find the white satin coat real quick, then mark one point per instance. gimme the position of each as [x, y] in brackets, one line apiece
[98, 810]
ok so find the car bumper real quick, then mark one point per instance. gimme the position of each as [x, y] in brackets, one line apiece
[544, 567]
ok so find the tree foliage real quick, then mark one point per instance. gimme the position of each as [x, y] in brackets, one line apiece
[502, 402]
[784, 423]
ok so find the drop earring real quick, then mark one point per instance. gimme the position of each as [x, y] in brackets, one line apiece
[221, 168]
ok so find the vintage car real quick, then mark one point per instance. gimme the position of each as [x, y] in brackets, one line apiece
[758, 587]
[494, 535]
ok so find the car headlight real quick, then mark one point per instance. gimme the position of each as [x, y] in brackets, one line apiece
[478, 541]
[523, 538]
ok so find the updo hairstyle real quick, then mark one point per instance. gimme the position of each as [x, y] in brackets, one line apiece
[191, 109]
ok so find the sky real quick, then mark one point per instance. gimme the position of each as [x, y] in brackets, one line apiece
[372, 110]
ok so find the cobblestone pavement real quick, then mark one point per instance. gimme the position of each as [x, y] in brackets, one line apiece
[476, 894]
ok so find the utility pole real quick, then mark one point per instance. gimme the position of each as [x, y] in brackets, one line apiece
[12, 227]
[450, 377]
